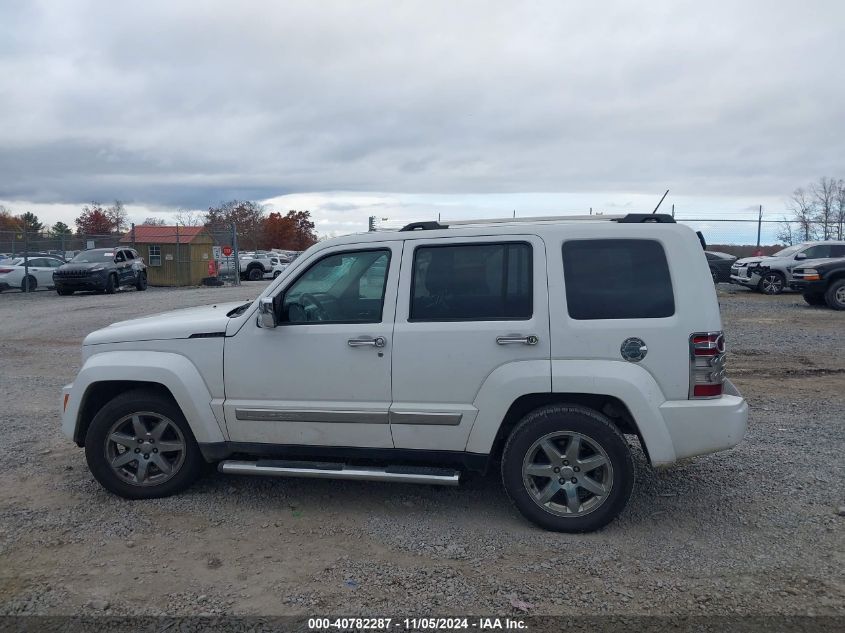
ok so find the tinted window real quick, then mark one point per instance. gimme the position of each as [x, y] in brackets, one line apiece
[837, 250]
[817, 252]
[472, 282]
[341, 288]
[617, 279]
[129, 255]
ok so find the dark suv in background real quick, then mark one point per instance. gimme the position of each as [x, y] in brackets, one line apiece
[101, 270]
[821, 282]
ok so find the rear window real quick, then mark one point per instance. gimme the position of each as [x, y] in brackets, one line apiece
[472, 282]
[617, 279]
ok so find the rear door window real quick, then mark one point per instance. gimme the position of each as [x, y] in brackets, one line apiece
[472, 282]
[617, 279]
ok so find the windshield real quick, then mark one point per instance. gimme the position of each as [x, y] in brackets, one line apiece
[92, 257]
[787, 251]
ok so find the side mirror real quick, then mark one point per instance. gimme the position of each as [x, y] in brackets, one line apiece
[801, 256]
[266, 313]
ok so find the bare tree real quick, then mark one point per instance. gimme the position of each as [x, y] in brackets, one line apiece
[804, 212]
[840, 209]
[823, 194]
[117, 216]
[786, 232]
[186, 217]
[152, 221]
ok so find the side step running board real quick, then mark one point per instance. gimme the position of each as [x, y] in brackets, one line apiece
[323, 470]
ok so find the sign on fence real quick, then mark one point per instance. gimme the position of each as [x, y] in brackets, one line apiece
[216, 252]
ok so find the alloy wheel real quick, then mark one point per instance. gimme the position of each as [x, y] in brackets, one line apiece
[567, 474]
[145, 448]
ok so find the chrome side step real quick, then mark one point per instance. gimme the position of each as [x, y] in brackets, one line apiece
[324, 470]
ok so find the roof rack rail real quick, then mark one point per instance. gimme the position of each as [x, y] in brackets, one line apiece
[424, 226]
[641, 218]
[631, 218]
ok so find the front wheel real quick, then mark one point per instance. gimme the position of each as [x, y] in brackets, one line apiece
[568, 469]
[64, 292]
[255, 274]
[139, 446]
[111, 284]
[835, 295]
[771, 283]
[141, 284]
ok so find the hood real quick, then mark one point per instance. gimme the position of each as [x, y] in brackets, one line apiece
[753, 260]
[200, 321]
[81, 266]
[814, 263]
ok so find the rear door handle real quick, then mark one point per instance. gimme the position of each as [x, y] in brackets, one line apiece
[531, 339]
[378, 341]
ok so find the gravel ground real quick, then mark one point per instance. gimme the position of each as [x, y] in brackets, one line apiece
[755, 530]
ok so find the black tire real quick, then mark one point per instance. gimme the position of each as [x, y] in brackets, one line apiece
[141, 284]
[111, 284]
[771, 283]
[276, 273]
[30, 281]
[589, 424]
[814, 298]
[835, 295]
[256, 273]
[64, 292]
[128, 403]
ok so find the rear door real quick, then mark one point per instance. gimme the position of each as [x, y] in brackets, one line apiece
[466, 306]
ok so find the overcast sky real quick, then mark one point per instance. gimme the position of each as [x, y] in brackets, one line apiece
[405, 110]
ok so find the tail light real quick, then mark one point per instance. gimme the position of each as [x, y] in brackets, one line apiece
[4, 271]
[707, 364]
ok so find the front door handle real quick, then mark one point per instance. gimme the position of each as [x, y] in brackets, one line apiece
[531, 339]
[378, 341]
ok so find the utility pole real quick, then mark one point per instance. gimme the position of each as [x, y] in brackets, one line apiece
[759, 224]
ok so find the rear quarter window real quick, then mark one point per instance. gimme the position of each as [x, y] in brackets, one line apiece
[617, 279]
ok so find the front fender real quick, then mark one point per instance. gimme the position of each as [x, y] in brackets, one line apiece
[173, 371]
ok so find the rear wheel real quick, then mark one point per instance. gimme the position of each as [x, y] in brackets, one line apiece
[771, 283]
[255, 273]
[568, 469]
[139, 446]
[28, 284]
[835, 295]
[111, 284]
[814, 298]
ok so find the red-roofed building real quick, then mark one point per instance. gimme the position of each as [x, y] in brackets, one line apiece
[175, 255]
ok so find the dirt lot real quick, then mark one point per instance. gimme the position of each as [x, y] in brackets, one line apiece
[754, 530]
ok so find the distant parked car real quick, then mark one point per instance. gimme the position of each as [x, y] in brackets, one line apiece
[18, 273]
[720, 266]
[770, 275]
[821, 281]
[279, 266]
[101, 270]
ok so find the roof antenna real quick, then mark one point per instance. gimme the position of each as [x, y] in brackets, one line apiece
[661, 202]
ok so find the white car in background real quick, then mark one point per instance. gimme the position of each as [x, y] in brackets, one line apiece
[38, 271]
[772, 274]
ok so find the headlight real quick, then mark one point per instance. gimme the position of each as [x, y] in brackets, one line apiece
[808, 274]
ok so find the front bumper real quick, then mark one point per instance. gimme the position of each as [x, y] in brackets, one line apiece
[698, 427]
[800, 285]
[750, 281]
[91, 282]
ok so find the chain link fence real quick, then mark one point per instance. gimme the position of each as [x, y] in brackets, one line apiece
[174, 255]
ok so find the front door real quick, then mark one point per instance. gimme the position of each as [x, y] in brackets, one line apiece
[322, 376]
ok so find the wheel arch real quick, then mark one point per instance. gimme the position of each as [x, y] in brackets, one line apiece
[611, 406]
[105, 375]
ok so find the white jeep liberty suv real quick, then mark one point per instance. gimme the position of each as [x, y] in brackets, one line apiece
[420, 354]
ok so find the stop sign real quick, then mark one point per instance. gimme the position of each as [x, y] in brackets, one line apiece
[227, 250]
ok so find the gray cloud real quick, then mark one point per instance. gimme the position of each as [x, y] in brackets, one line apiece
[189, 103]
